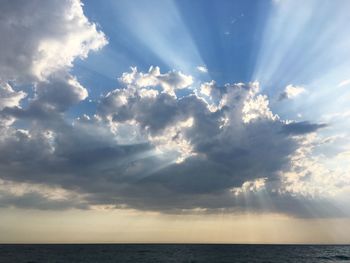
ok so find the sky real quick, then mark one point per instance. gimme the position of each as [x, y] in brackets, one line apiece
[175, 121]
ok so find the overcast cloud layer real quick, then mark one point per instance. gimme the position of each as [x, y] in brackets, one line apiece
[148, 146]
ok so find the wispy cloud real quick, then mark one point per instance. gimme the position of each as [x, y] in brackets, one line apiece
[344, 83]
[202, 69]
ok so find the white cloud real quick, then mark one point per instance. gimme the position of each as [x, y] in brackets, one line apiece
[250, 186]
[310, 176]
[169, 82]
[291, 92]
[202, 69]
[173, 140]
[9, 97]
[344, 83]
[257, 107]
[207, 88]
[36, 44]
[38, 51]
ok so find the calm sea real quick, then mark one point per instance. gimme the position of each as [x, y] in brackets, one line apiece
[173, 253]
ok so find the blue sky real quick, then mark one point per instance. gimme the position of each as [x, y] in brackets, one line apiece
[176, 107]
[274, 42]
[225, 37]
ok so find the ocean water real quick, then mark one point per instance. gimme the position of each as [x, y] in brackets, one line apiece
[173, 253]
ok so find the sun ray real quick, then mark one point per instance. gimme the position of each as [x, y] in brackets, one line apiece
[161, 30]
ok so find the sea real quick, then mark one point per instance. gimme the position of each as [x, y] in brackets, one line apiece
[189, 253]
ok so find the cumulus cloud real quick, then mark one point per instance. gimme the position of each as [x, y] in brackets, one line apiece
[250, 186]
[291, 92]
[41, 37]
[9, 97]
[42, 41]
[169, 82]
[151, 150]
[59, 91]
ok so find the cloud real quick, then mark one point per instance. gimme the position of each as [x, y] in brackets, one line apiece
[302, 127]
[202, 69]
[154, 143]
[291, 92]
[42, 37]
[151, 150]
[205, 89]
[322, 185]
[59, 92]
[250, 186]
[37, 196]
[9, 97]
[344, 83]
[169, 82]
[38, 51]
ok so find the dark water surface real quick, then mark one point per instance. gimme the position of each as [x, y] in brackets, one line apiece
[173, 253]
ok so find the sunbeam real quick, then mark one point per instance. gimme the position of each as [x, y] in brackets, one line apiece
[303, 45]
[161, 30]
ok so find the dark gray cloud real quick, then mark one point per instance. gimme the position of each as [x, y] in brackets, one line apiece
[302, 127]
[37, 201]
[99, 157]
